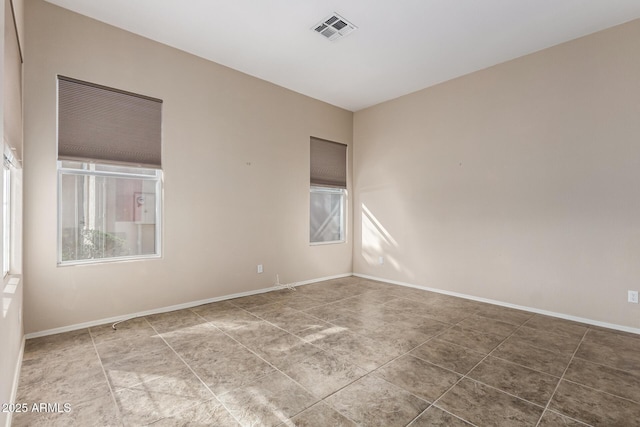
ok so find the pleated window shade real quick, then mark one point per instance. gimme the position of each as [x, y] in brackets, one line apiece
[98, 123]
[328, 163]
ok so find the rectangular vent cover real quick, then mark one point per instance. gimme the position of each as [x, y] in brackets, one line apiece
[334, 27]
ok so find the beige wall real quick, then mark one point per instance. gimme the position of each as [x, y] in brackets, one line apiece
[517, 183]
[222, 216]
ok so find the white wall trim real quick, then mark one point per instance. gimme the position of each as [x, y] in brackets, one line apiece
[16, 380]
[172, 308]
[509, 305]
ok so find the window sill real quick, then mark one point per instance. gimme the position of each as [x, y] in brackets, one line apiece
[107, 260]
[333, 242]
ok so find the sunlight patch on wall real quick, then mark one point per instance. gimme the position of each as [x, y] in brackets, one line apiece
[376, 240]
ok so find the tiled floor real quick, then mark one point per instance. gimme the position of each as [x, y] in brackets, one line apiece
[344, 352]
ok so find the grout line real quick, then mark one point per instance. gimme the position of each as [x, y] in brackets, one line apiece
[602, 391]
[275, 367]
[194, 373]
[566, 416]
[104, 372]
[562, 377]
[435, 402]
[604, 365]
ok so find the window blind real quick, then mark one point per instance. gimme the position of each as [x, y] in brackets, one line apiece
[328, 163]
[104, 124]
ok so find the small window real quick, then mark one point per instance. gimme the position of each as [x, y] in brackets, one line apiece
[6, 217]
[328, 192]
[109, 173]
[327, 215]
[108, 212]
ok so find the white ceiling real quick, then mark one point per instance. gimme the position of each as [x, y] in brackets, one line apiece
[400, 46]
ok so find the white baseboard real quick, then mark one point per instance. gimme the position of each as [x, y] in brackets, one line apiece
[172, 308]
[509, 305]
[16, 380]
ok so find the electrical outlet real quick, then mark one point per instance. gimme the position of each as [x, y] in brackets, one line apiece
[381, 260]
[259, 268]
[633, 297]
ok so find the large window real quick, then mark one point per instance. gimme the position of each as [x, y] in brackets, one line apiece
[108, 211]
[328, 192]
[109, 173]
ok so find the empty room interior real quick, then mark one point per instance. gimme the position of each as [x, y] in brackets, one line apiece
[326, 213]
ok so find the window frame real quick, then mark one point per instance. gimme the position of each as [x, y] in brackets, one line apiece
[343, 213]
[86, 170]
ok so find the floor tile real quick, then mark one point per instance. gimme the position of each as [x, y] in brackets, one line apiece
[293, 321]
[372, 401]
[254, 300]
[317, 331]
[504, 314]
[60, 344]
[141, 407]
[114, 350]
[556, 325]
[418, 377]
[57, 366]
[230, 369]
[319, 371]
[210, 413]
[553, 419]
[162, 397]
[287, 299]
[612, 349]
[594, 407]
[448, 355]
[215, 309]
[326, 312]
[174, 320]
[365, 300]
[130, 328]
[356, 322]
[473, 340]
[488, 326]
[74, 388]
[268, 401]
[402, 340]
[604, 378]
[253, 331]
[518, 351]
[408, 306]
[436, 417]
[425, 325]
[449, 309]
[226, 316]
[320, 415]
[534, 386]
[139, 368]
[548, 340]
[196, 339]
[483, 405]
[180, 382]
[365, 352]
[275, 347]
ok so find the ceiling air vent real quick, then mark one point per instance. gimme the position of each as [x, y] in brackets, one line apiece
[334, 27]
